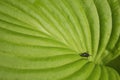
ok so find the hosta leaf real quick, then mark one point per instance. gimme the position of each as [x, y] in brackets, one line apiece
[89, 7]
[114, 42]
[59, 39]
[115, 64]
[105, 18]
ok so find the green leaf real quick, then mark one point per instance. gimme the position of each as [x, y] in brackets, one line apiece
[44, 39]
[115, 64]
